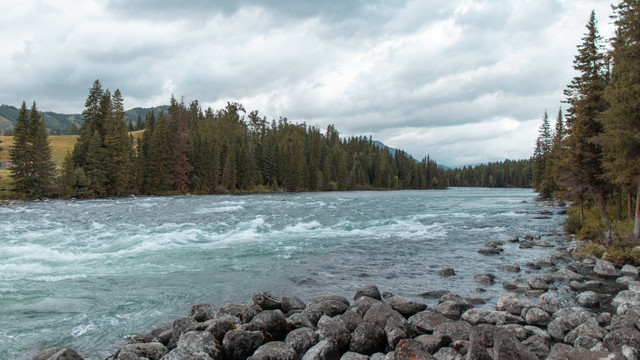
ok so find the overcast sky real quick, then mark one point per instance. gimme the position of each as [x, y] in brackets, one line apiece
[463, 81]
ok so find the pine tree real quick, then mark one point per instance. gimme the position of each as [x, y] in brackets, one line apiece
[620, 141]
[117, 149]
[94, 167]
[67, 178]
[139, 123]
[42, 166]
[93, 119]
[580, 170]
[18, 153]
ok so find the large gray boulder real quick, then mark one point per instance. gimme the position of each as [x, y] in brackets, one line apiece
[330, 305]
[350, 355]
[379, 314]
[405, 306]
[630, 270]
[371, 291]
[195, 342]
[483, 316]
[512, 303]
[397, 329]
[626, 297]
[458, 330]
[426, 321]
[239, 344]
[239, 314]
[219, 327]
[588, 299]
[507, 347]
[575, 316]
[326, 349]
[368, 338]
[333, 328]
[202, 312]
[57, 353]
[267, 301]
[410, 349]
[566, 352]
[299, 320]
[549, 302]
[150, 351]
[605, 269]
[180, 326]
[350, 319]
[301, 340]
[275, 350]
[537, 316]
[615, 339]
[589, 329]
[271, 322]
[290, 303]
[362, 305]
[538, 345]
[484, 278]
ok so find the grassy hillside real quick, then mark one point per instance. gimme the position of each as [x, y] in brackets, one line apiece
[59, 144]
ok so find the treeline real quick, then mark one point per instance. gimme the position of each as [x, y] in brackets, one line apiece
[592, 156]
[186, 149]
[502, 174]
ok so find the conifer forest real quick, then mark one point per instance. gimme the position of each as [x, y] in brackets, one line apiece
[591, 157]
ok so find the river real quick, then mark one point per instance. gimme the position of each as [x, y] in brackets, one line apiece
[87, 273]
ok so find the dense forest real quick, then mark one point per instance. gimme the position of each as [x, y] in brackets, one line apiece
[591, 156]
[186, 149]
[503, 174]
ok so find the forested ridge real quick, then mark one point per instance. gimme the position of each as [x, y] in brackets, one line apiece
[591, 157]
[188, 150]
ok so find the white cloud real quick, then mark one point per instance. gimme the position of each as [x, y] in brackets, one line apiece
[465, 81]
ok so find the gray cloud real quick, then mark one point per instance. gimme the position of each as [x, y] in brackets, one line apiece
[463, 81]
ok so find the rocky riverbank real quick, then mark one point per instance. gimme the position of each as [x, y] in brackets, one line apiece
[554, 308]
[374, 326]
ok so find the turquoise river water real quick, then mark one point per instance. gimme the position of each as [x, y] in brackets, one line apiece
[87, 273]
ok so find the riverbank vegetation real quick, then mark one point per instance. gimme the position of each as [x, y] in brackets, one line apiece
[590, 157]
[188, 150]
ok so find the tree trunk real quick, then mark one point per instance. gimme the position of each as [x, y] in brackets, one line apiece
[602, 205]
[619, 212]
[636, 225]
[629, 208]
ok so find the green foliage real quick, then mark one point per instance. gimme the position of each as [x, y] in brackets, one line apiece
[34, 170]
[507, 173]
[589, 248]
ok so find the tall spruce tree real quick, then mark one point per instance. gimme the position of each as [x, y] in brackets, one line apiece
[117, 149]
[42, 165]
[620, 141]
[93, 120]
[580, 170]
[18, 153]
[542, 175]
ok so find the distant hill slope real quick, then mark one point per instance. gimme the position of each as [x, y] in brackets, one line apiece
[56, 121]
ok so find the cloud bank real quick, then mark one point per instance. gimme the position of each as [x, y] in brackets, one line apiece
[464, 81]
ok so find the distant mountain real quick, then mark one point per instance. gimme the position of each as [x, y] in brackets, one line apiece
[56, 121]
[382, 146]
[392, 151]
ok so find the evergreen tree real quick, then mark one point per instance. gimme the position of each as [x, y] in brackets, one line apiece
[117, 149]
[580, 170]
[94, 168]
[67, 178]
[620, 141]
[42, 166]
[542, 176]
[93, 121]
[139, 123]
[18, 153]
